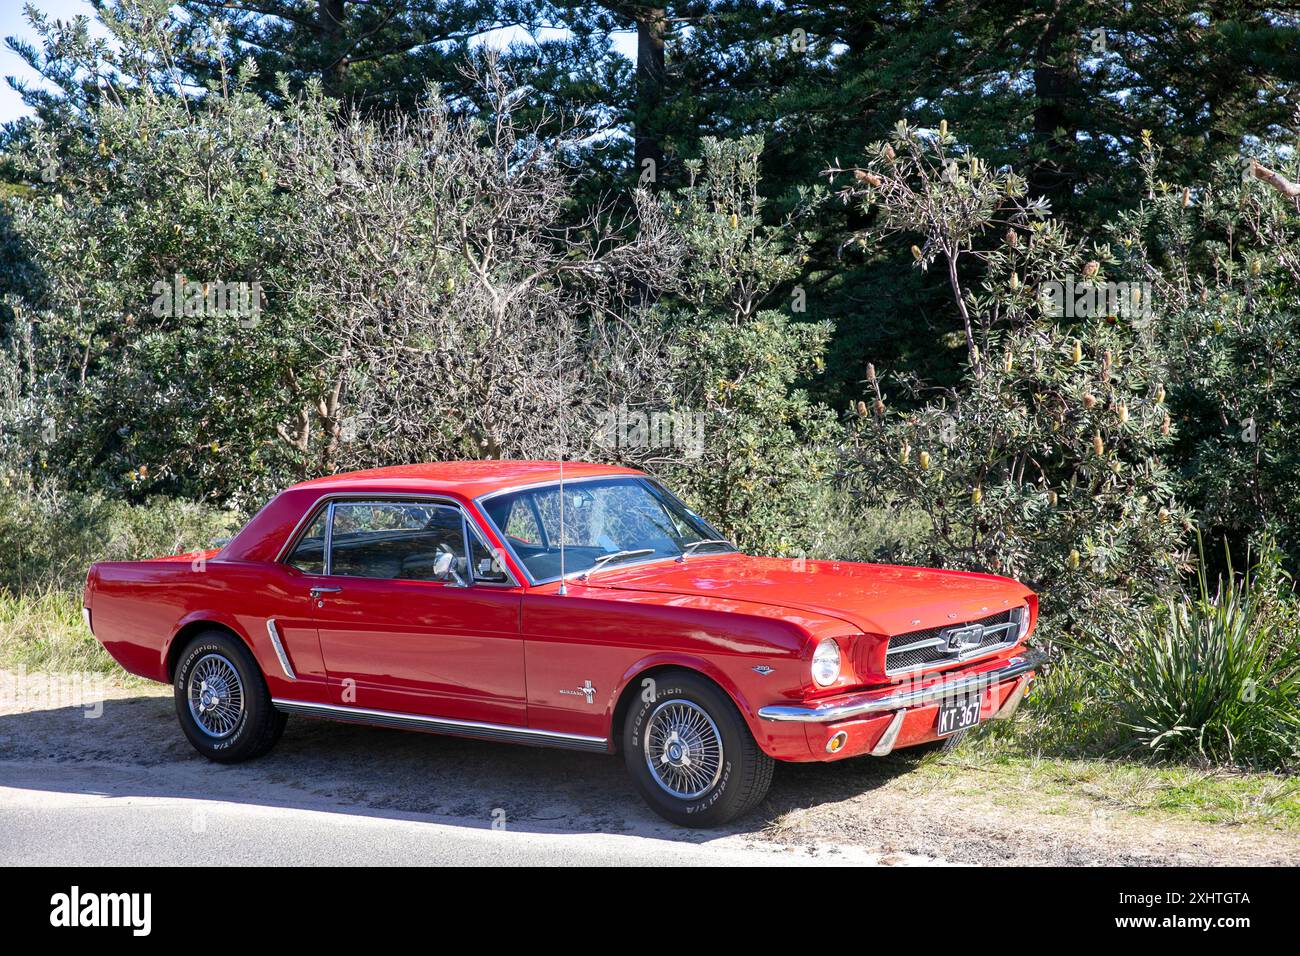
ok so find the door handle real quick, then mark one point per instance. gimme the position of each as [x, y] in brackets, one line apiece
[317, 592]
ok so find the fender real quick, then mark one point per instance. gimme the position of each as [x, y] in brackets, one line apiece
[213, 616]
[687, 662]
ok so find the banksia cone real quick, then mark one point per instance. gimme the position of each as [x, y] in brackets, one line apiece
[871, 372]
[1013, 239]
[1160, 393]
[1187, 197]
[862, 409]
[1255, 267]
[888, 151]
[1073, 560]
[924, 459]
[1090, 268]
[735, 221]
[1098, 446]
[1008, 363]
[864, 176]
[1163, 515]
[1052, 498]
[904, 453]
[943, 127]
[916, 252]
[1077, 355]
[1015, 282]
[1089, 400]
[879, 408]
[1123, 413]
[976, 496]
[1164, 425]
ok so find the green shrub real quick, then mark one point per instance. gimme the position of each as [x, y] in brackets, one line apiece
[1210, 675]
[49, 537]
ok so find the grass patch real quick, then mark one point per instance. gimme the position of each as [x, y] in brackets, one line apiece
[1002, 763]
[44, 632]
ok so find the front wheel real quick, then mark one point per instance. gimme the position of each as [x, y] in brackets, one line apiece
[690, 753]
[222, 701]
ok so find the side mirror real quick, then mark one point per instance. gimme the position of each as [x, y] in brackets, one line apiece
[442, 563]
[444, 569]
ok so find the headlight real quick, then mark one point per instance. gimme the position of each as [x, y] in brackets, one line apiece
[826, 663]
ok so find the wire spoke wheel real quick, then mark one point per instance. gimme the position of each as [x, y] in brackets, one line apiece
[216, 695]
[683, 749]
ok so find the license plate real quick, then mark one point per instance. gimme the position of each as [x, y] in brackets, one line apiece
[955, 715]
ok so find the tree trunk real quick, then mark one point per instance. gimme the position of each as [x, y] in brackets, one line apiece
[651, 28]
[331, 15]
[1054, 79]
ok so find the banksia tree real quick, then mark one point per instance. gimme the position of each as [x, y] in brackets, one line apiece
[1225, 269]
[1045, 461]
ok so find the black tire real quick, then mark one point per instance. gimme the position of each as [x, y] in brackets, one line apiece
[944, 745]
[247, 731]
[742, 774]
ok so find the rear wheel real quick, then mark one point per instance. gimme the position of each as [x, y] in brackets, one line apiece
[222, 701]
[690, 753]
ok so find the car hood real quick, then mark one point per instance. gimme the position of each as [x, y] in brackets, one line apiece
[876, 598]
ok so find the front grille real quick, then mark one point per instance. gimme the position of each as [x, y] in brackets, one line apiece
[917, 649]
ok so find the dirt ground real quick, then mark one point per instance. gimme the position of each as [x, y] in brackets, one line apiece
[889, 806]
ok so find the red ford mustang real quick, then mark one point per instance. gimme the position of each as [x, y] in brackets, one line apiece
[485, 600]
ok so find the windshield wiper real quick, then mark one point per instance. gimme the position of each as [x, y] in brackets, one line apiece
[613, 556]
[690, 548]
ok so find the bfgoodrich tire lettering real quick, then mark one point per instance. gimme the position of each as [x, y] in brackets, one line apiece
[257, 725]
[693, 731]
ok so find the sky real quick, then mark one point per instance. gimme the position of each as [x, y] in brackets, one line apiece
[14, 24]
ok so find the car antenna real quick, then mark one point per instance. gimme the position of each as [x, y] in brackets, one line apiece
[564, 588]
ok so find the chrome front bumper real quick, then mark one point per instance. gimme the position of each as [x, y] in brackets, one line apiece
[866, 704]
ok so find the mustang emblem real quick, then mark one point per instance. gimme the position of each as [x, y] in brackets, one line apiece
[587, 690]
[962, 639]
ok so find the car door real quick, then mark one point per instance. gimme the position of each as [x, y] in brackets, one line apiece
[401, 631]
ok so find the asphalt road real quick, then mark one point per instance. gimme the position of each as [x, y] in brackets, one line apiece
[123, 787]
[67, 828]
[86, 815]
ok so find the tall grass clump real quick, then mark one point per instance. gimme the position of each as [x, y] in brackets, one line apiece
[49, 536]
[1212, 675]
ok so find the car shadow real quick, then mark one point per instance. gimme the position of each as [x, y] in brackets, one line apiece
[135, 748]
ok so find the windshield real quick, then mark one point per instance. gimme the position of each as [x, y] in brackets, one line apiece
[602, 518]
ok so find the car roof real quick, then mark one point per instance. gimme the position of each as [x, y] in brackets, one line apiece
[470, 479]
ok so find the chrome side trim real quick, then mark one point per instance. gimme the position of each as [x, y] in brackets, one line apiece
[858, 705]
[444, 725]
[885, 745]
[274, 633]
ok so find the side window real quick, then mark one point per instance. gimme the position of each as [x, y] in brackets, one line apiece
[396, 540]
[309, 555]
